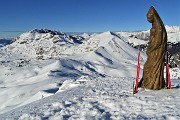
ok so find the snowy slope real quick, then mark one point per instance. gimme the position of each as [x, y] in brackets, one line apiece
[99, 55]
[77, 77]
[102, 98]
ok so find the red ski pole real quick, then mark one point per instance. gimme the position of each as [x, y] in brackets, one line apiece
[137, 73]
[170, 86]
[168, 80]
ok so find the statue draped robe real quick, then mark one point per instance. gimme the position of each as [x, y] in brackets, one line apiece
[153, 73]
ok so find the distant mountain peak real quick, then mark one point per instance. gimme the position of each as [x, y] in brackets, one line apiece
[172, 29]
[46, 34]
[53, 32]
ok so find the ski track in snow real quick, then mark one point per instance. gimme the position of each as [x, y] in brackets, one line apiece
[79, 79]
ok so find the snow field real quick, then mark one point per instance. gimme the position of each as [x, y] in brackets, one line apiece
[47, 75]
[103, 98]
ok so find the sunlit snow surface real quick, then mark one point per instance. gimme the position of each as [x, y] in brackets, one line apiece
[103, 98]
[88, 79]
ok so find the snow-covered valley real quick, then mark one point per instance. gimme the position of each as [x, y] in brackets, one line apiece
[50, 75]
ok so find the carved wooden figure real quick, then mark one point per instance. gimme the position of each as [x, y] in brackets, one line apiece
[153, 73]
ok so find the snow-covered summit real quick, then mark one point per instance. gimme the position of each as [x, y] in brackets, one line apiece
[42, 43]
[54, 32]
[46, 34]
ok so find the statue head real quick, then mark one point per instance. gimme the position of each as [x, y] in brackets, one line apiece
[151, 14]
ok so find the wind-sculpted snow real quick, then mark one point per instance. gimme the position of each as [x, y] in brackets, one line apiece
[102, 98]
[50, 75]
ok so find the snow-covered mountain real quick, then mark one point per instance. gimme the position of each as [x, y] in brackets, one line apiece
[44, 44]
[41, 43]
[142, 37]
[41, 59]
[47, 74]
[172, 29]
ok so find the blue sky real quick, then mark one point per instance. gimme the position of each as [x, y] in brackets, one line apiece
[17, 16]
